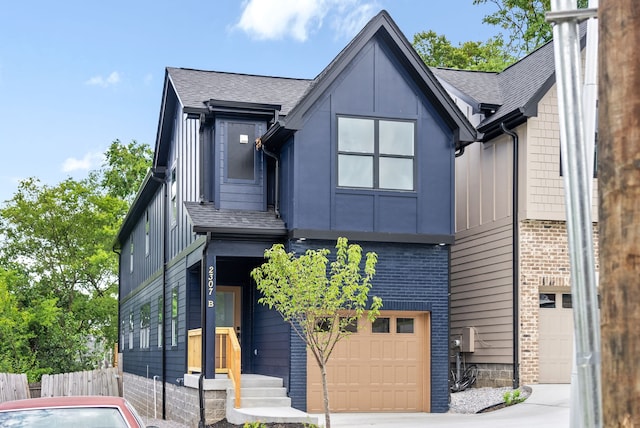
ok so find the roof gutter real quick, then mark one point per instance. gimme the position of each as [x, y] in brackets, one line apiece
[515, 279]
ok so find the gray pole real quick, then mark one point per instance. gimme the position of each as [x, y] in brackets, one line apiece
[578, 210]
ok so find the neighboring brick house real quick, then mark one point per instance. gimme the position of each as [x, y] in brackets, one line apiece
[510, 281]
[366, 150]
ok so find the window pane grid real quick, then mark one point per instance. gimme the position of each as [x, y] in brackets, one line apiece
[376, 153]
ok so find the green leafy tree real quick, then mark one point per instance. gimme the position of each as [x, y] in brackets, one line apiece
[320, 304]
[61, 236]
[437, 51]
[18, 325]
[523, 28]
[524, 23]
[124, 169]
[56, 240]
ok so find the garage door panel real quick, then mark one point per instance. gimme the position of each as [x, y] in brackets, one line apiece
[555, 342]
[376, 371]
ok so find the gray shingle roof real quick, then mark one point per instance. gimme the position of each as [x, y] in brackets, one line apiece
[514, 88]
[482, 86]
[517, 89]
[206, 218]
[195, 87]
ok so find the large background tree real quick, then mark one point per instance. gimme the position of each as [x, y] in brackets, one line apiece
[320, 308]
[58, 272]
[522, 28]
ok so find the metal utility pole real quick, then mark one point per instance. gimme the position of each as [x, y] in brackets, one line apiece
[619, 208]
[577, 182]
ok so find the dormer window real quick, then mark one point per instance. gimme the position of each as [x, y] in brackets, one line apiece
[376, 153]
[240, 151]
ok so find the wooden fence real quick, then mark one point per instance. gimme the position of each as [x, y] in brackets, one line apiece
[95, 382]
[13, 387]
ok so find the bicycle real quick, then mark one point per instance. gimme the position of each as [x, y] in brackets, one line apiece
[463, 376]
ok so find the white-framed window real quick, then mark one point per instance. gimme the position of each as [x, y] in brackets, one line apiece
[145, 325]
[160, 318]
[123, 327]
[174, 195]
[376, 153]
[131, 254]
[147, 230]
[130, 329]
[174, 317]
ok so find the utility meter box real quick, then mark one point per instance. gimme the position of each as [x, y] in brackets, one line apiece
[468, 340]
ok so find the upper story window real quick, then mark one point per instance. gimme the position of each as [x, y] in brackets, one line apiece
[174, 196]
[240, 151]
[131, 254]
[376, 153]
[146, 232]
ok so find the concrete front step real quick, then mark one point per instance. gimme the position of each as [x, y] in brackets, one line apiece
[269, 414]
[261, 392]
[264, 399]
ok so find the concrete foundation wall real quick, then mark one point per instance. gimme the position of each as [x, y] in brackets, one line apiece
[182, 402]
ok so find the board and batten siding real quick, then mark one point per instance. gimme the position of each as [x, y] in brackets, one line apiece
[185, 157]
[145, 264]
[481, 291]
[246, 194]
[481, 258]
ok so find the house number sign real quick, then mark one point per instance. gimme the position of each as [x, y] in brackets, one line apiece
[210, 286]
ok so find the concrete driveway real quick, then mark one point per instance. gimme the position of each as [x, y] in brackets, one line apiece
[547, 406]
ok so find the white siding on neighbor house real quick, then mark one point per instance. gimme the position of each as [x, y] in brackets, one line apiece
[544, 184]
[481, 291]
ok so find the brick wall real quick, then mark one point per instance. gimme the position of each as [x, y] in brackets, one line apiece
[544, 263]
[411, 277]
[182, 403]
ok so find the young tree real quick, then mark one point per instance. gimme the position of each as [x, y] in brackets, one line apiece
[320, 308]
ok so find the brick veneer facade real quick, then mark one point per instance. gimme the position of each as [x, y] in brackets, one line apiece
[409, 277]
[544, 264]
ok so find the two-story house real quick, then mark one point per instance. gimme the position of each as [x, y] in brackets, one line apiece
[510, 274]
[365, 150]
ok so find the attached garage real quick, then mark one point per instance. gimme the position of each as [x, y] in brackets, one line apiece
[383, 367]
[555, 341]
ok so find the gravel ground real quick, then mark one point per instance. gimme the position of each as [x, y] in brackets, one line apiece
[475, 400]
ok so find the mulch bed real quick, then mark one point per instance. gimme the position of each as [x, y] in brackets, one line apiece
[224, 424]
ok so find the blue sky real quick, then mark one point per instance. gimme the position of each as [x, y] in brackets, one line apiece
[77, 74]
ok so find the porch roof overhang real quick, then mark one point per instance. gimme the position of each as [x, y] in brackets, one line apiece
[206, 218]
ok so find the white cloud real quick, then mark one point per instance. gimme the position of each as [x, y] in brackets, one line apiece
[89, 161]
[112, 79]
[277, 19]
[352, 16]
[148, 78]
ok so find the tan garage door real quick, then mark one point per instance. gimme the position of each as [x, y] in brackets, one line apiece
[555, 337]
[383, 367]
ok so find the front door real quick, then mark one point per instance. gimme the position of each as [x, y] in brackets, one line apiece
[227, 315]
[228, 308]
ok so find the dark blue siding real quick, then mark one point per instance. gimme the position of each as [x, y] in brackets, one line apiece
[136, 360]
[411, 277]
[270, 338]
[375, 84]
[145, 265]
[236, 193]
